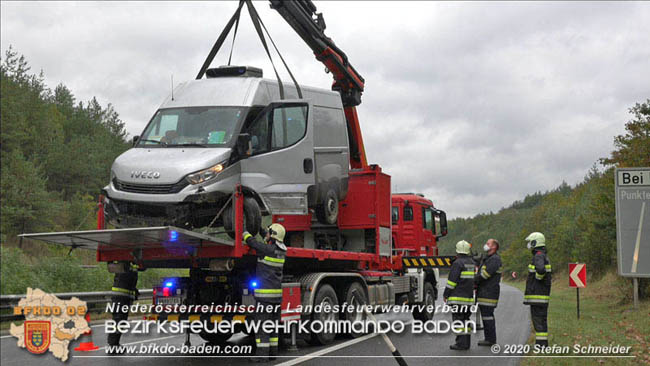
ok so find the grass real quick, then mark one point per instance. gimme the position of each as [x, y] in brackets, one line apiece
[607, 317]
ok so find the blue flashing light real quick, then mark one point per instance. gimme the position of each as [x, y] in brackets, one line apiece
[253, 284]
[169, 284]
[173, 235]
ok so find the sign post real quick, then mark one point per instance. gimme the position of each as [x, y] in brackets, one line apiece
[633, 224]
[578, 279]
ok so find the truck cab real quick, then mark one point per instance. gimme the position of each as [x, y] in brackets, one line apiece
[209, 135]
[417, 225]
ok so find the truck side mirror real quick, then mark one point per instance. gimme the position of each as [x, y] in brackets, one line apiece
[244, 147]
[135, 139]
[443, 223]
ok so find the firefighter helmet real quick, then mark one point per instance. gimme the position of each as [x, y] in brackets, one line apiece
[536, 240]
[463, 247]
[277, 232]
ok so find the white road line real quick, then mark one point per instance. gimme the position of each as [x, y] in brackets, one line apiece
[309, 356]
[337, 347]
[635, 259]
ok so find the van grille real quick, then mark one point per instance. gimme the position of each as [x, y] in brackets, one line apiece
[150, 188]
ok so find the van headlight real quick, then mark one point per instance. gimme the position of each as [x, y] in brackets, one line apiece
[206, 174]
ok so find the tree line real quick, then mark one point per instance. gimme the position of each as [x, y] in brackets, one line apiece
[579, 221]
[56, 152]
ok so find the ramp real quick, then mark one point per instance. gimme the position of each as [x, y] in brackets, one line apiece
[166, 237]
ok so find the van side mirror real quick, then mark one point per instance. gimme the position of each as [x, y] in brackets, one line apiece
[442, 216]
[244, 146]
[135, 140]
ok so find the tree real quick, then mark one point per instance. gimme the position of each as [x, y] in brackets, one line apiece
[633, 148]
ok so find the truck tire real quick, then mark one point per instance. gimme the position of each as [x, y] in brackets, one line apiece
[325, 296]
[215, 338]
[328, 211]
[429, 299]
[252, 217]
[355, 296]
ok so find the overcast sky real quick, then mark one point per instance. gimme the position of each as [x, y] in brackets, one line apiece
[473, 104]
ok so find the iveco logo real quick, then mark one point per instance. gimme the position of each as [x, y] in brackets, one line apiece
[145, 174]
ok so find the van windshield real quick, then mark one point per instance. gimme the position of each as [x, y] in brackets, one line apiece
[192, 126]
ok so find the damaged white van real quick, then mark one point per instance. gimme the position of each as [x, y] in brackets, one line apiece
[231, 128]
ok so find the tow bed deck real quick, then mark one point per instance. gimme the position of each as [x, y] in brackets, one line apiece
[160, 237]
[155, 245]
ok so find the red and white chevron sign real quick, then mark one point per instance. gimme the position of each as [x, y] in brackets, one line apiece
[577, 275]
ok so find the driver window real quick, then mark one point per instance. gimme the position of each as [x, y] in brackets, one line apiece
[428, 219]
[259, 135]
[289, 125]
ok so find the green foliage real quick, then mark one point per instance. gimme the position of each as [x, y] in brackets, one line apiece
[633, 148]
[56, 152]
[58, 272]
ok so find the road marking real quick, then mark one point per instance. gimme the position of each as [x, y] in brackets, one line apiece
[339, 346]
[635, 259]
[309, 356]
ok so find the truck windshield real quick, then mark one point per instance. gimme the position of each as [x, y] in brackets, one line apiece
[192, 127]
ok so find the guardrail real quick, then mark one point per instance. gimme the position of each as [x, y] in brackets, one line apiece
[94, 300]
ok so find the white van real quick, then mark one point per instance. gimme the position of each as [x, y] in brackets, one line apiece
[232, 128]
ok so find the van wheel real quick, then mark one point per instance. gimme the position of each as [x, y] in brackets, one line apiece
[328, 211]
[252, 218]
[326, 296]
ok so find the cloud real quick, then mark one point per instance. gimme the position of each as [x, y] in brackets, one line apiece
[473, 104]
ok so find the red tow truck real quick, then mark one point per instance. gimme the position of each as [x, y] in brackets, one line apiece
[382, 251]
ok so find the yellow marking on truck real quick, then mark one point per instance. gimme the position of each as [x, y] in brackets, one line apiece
[239, 318]
[194, 318]
[432, 262]
[216, 319]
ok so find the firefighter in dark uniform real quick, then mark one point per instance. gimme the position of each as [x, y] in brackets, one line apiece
[459, 293]
[124, 293]
[487, 294]
[270, 261]
[538, 287]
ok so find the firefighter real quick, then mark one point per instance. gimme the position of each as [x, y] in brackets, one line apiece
[124, 293]
[270, 261]
[538, 287]
[487, 294]
[460, 292]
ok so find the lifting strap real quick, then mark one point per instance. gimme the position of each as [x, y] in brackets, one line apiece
[259, 26]
[219, 42]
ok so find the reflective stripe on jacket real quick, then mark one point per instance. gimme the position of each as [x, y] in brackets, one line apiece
[270, 262]
[460, 282]
[488, 280]
[538, 283]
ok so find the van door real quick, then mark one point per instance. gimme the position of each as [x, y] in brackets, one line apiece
[281, 167]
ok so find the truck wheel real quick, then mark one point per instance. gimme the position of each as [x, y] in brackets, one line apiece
[215, 338]
[328, 211]
[429, 300]
[252, 217]
[355, 296]
[326, 296]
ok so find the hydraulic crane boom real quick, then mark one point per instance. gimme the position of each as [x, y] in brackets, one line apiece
[310, 26]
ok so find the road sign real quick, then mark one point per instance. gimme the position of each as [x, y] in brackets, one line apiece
[633, 221]
[577, 275]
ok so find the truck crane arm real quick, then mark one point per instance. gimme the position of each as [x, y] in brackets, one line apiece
[310, 26]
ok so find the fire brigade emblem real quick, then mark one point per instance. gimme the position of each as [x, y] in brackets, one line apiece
[37, 335]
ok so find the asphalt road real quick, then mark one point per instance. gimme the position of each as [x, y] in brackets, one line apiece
[421, 349]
